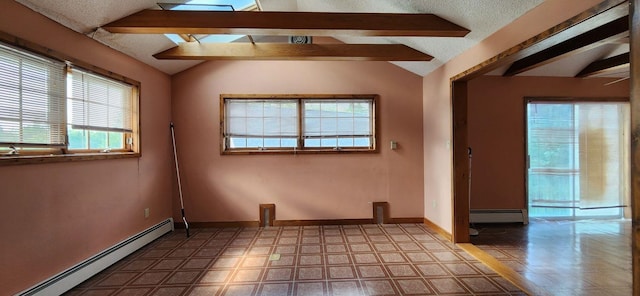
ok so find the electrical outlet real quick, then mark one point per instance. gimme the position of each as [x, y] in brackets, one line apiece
[146, 212]
[433, 203]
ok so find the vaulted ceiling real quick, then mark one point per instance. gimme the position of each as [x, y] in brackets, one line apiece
[482, 18]
[426, 52]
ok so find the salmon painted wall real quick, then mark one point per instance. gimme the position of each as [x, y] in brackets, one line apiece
[52, 216]
[437, 126]
[497, 130]
[303, 187]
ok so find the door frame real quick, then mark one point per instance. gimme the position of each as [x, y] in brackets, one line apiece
[528, 100]
[459, 98]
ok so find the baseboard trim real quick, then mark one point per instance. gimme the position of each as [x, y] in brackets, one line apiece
[322, 222]
[221, 224]
[439, 230]
[227, 224]
[406, 220]
[499, 216]
[64, 281]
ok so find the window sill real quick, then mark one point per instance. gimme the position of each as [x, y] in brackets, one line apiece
[289, 151]
[37, 159]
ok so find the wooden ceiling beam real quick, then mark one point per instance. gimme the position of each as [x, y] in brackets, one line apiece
[605, 66]
[606, 33]
[285, 23]
[284, 51]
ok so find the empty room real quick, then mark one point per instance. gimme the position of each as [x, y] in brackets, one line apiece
[303, 147]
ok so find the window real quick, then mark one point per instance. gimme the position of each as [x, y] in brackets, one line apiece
[99, 112]
[32, 100]
[288, 123]
[209, 5]
[51, 107]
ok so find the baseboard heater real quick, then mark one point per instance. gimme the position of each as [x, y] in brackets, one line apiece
[64, 281]
[499, 216]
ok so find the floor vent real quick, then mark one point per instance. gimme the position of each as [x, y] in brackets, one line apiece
[499, 216]
[267, 214]
[380, 212]
[82, 271]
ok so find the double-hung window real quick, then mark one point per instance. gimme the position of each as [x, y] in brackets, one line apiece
[32, 101]
[286, 123]
[50, 107]
[99, 112]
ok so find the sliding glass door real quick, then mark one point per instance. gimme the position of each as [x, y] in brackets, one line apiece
[578, 159]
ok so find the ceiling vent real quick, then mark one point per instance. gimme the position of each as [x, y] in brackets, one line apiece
[300, 39]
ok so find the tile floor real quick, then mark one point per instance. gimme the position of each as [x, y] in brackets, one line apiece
[586, 257]
[390, 259]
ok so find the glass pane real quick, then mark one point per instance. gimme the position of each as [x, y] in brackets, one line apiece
[271, 109]
[345, 142]
[36, 132]
[328, 109]
[9, 131]
[78, 138]
[289, 110]
[265, 123]
[362, 126]
[329, 142]
[97, 102]
[9, 102]
[272, 142]
[237, 126]
[236, 142]
[255, 127]
[312, 126]
[345, 109]
[98, 140]
[362, 109]
[289, 143]
[235, 109]
[116, 140]
[312, 143]
[328, 126]
[362, 142]
[577, 159]
[254, 143]
[272, 126]
[255, 109]
[311, 109]
[289, 126]
[603, 149]
[345, 126]
[552, 189]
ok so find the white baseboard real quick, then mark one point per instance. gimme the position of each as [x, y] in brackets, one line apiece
[89, 267]
[499, 216]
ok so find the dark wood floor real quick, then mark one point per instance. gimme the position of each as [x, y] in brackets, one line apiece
[587, 257]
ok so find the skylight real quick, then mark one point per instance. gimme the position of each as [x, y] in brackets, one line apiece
[209, 5]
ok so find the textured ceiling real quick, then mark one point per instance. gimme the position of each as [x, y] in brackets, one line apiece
[481, 17]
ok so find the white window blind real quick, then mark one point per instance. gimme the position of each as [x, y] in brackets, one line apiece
[32, 100]
[99, 104]
[261, 123]
[338, 123]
